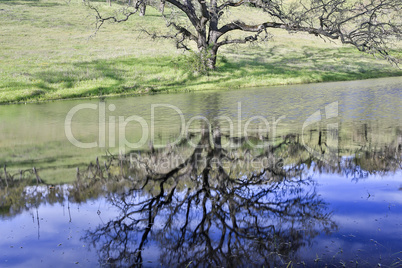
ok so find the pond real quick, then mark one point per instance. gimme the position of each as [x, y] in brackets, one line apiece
[289, 176]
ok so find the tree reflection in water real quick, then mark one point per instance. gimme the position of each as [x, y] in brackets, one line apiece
[211, 210]
[204, 204]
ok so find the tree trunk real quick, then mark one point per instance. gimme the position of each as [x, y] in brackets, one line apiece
[162, 6]
[211, 62]
[209, 57]
[143, 7]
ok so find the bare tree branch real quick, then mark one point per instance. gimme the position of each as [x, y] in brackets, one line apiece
[370, 25]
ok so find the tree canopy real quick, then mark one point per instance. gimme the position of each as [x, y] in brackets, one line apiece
[369, 25]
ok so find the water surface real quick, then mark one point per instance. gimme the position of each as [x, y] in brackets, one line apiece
[305, 174]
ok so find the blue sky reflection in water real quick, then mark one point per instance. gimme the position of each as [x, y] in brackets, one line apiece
[367, 213]
[304, 210]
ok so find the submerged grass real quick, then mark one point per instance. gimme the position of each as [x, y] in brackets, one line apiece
[47, 54]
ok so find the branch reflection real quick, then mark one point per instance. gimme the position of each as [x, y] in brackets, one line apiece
[212, 208]
[205, 204]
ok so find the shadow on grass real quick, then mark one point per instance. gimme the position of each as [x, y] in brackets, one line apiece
[149, 75]
[319, 65]
[70, 76]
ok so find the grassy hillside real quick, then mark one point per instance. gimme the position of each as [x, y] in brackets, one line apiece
[47, 53]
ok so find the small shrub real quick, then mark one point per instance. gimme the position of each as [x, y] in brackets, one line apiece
[193, 62]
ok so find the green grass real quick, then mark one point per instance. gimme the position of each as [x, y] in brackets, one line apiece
[46, 53]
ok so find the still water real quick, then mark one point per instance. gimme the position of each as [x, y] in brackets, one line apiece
[305, 175]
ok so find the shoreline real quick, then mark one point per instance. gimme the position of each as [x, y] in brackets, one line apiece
[178, 91]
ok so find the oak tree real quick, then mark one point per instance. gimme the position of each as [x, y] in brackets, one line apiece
[369, 25]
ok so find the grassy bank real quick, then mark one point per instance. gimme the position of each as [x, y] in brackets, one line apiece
[46, 53]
